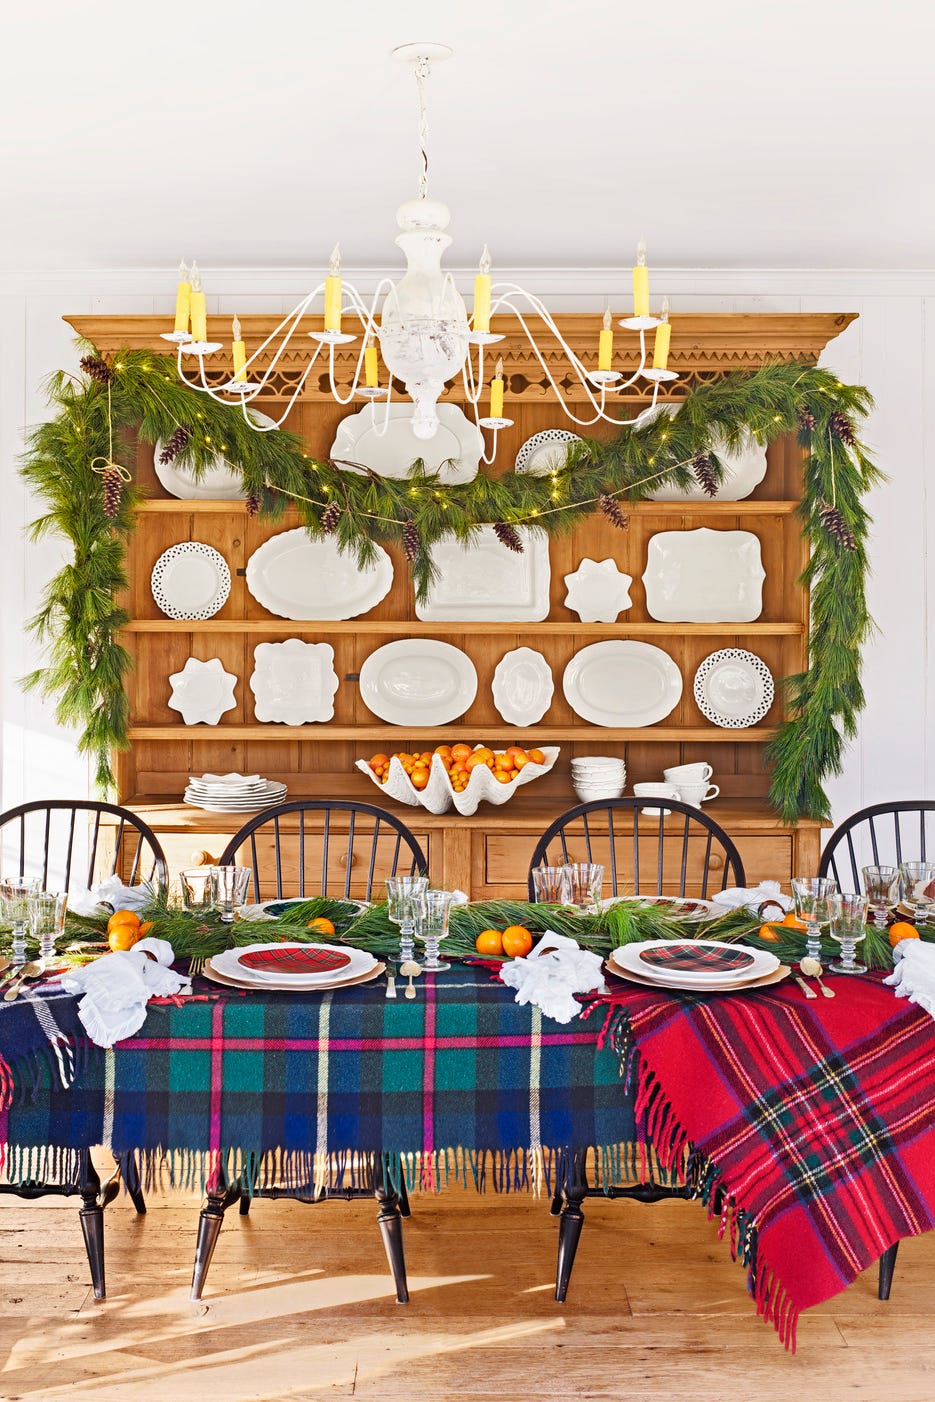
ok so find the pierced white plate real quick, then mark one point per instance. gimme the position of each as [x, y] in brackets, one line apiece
[293, 681]
[202, 691]
[544, 451]
[704, 576]
[454, 452]
[522, 686]
[191, 580]
[734, 688]
[418, 681]
[598, 591]
[221, 482]
[297, 577]
[486, 581]
[744, 469]
[622, 683]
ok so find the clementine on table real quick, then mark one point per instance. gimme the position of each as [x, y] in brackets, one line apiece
[902, 930]
[321, 925]
[489, 942]
[123, 917]
[792, 921]
[517, 941]
[145, 928]
[122, 937]
[770, 933]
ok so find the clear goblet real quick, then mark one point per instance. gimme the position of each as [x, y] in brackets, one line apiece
[402, 893]
[880, 885]
[47, 920]
[551, 885]
[848, 926]
[584, 881]
[917, 885]
[15, 892]
[813, 907]
[196, 888]
[229, 890]
[431, 926]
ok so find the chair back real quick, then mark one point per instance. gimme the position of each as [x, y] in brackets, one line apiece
[324, 848]
[44, 838]
[884, 834]
[683, 854]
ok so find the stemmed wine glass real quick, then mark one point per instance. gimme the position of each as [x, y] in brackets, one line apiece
[813, 905]
[880, 886]
[431, 926]
[848, 926]
[47, 920]
[402, 894]
[15, 894]
[917, 880]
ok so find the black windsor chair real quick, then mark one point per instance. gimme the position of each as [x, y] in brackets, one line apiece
[345, 852]
[884, 834]
[686, 853]
[45, 840]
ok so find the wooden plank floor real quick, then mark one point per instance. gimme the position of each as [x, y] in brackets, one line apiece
[299, 1306]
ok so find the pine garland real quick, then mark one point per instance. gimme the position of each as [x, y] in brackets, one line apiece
[80, 623]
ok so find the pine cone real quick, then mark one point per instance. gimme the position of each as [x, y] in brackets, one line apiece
[807, 420]
[508, 536]
[253, 504]
[613, 511]
[836, 526]
[412, 541]
[174, 445]
[97, 368]
[330, 517]
[113, 490]
[703, 468]
[841, 427]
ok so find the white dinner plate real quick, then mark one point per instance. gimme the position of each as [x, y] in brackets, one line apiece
[544, 452]
[418, 681]
[202, 691]
[294, 681]
[388, 446]
[191, 580]
[485, 581]
[704, 576]
[622, 683]
[295, 576]
[522, 686]
[744, 468]
[691, 909]
[764, 981]
[735, 964]
[220, 482]
[734, 688]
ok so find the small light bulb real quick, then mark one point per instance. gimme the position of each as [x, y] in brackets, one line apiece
[484, 264]
[607, 319]
[334, 262]
[196, 278]
[641, 254]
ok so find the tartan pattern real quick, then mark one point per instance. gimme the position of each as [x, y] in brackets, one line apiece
[694, 958]
[295, 959]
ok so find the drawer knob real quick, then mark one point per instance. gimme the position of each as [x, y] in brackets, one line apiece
[202, 859]
[716, 861]
[344, 862]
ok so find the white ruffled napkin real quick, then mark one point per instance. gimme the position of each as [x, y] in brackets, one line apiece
[913, 975]
[552, 973]
[754, 897]
[111, 891]
[117, 988]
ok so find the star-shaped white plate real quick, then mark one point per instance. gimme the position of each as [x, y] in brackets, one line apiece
[202, 691]
[598, 591]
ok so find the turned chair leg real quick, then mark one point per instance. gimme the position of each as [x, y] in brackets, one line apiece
[390, 1222]
[130, 1171]
[91, 1217]
[217, 1200]
[571, 1220]
[887, 1266]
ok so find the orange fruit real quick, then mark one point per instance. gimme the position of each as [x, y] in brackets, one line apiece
[460, 751]
[902, 930]
[419, 777]
[536, 757]
[145, 928]
[521, 760]
[503, 776]
[792, 921]
[517, 941]
[321, 925]
[124, 917]
[378, 761]
[122, 937]
[489, 942]
[769, 933]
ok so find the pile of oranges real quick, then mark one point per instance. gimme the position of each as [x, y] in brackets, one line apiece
[515, 942]
[124, 928]
[459, 761]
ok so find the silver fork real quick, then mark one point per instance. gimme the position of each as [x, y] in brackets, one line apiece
[197, 966]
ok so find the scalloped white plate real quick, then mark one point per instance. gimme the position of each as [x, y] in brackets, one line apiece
[293, 681]
[743, 470]
[734, 688]
[704, 576]
[454, 452]
[544, 451]
[297, 577]
[522, 686]
[598, 591]
[202, 691]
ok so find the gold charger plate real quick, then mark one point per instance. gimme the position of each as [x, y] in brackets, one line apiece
[367, 977]
[763, 981]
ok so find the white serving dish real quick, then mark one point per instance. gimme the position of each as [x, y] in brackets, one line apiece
[454, 452]
[522, 686]
[294, 682]
[744, 468]
[704, 576]
[417, 682]
[734, 688]
[295, 576]
[544, 452]
[202, 691]
[439, 797]
[190, 580]
[485, 582]
[220, 482]
[598, 591]
[623, 683]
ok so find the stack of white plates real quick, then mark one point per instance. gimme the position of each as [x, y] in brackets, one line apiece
[598, 776]
[233, 793]
[301, 968]
[702, 966]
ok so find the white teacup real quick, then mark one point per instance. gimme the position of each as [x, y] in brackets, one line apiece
[697, 794]
[656, 791]
[689, 773]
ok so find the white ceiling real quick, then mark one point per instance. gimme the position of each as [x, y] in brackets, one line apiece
[730, 133]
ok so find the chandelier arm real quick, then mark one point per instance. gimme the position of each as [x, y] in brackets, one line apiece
[268, 428]
[294, 316]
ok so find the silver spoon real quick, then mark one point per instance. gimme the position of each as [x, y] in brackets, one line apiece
[26, 972]
[809, 992]
[410, 970]
[812, 969]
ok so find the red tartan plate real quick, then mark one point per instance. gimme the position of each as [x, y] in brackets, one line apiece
[691, 957]
[296, 959]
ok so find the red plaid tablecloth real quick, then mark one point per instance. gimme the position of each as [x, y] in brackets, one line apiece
[816, 1120]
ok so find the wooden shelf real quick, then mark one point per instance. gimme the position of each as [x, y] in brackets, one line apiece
[747, 507]
[544, 734]
[418, 629]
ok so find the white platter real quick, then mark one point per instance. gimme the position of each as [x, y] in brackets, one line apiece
[202, 691]
[522, 686]
[598, 591]
[418, 681]
[704, 576]
[297, 577]
[190, 580]
[543, 452]
[734, 688]
[485, 581]
[221, 482]
[454, 452]
[622, 683]
[438, 796]
[744, 469]
[294, 681]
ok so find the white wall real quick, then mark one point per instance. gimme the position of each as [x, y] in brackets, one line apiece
[885, 349]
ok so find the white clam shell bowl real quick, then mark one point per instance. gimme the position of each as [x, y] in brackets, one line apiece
[438, 796]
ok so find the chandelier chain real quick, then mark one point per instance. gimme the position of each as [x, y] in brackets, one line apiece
[422, 70]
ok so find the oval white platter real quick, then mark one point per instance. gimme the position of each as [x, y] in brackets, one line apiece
[190, 580]
[297, 577]
[544, 451]
[704, 576]
[362, 442]
[744, 468]
[734, 688]
[598, 591]
[484, 580]
[221, 482]
[438, 796]
[622, 683]
[293, 681]
[202, 691]
[522, 686]
[418, 681]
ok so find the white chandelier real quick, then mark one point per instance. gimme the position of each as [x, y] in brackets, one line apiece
[421, 323]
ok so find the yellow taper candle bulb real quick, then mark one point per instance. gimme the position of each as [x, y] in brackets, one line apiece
[199, 310]
[662, 339]
[496, 393]
[641, 283]
[605, 350]
[482, 294]
[333, 291]
[183, 299]
[240, 352]
[370, 367]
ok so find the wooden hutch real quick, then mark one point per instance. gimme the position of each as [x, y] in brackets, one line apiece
[486, 854]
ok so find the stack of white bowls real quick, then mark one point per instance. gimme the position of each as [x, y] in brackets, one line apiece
[598, 776]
